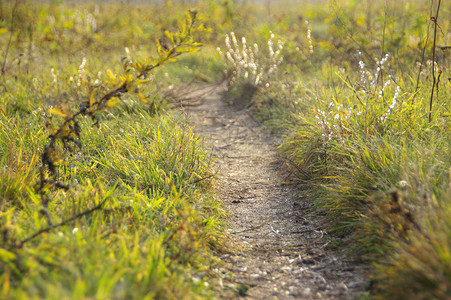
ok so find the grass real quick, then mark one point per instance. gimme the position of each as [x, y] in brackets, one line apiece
[139, 219]
[153, 235]
[353, 109]
[346, 85]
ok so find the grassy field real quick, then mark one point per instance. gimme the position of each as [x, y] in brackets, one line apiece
[358, 90]
[138, 219]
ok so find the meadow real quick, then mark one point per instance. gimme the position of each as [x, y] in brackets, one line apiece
[106, 192]
[359, 92]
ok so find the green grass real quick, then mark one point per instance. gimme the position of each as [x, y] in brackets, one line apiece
[380, 168]
[362, 137]
[139, 220]
[154, 233]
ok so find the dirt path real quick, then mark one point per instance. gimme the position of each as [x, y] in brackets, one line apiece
[280, 248]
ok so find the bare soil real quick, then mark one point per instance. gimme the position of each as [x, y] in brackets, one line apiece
[279, 248]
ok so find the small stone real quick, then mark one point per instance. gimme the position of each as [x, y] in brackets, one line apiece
[343, 286]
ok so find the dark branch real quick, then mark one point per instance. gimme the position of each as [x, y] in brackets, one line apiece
[47, 229]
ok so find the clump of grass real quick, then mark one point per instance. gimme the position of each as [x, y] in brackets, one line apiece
[154, 222]
[357, 124]
[419, 266]
[136, 73]
[382, 170]
[135, 219]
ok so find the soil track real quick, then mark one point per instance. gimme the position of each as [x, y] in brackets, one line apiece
[280, 248]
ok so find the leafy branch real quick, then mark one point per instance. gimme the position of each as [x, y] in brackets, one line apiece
[104, 96]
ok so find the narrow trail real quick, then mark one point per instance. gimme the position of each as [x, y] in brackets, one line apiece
[280, 249]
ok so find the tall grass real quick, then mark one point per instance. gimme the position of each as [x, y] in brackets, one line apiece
[349, 94]
[353, 109]
[156, 219]
[137, 219]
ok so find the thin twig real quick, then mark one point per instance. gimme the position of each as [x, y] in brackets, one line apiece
[47, 229]
[434, 78]
[202, 179]
[350, 33]
[421, 63]
[8, 46]
[383, 47]
[298, 168]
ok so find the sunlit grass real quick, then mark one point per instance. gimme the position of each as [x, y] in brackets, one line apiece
[154, 222]
[353, 110]
[346, 95]
[139, 219]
